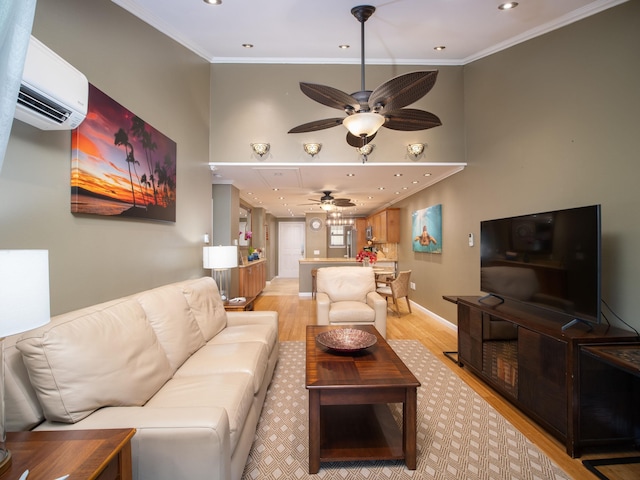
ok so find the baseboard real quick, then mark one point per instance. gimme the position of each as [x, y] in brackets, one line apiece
[435, 316]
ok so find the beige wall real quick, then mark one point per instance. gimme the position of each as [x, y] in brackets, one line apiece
[261, 103]
[94, 259]
[551, 123]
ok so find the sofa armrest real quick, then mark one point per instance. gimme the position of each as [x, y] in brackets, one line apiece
[188, 443]
[323, 303]
[252, 318]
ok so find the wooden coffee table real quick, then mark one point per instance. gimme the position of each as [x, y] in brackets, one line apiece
[349, 418]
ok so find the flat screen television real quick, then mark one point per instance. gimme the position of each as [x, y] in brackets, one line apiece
[549, 259]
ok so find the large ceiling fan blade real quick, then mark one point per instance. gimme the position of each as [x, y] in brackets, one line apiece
[410, 119]
[402, 90]
[329, 96]
[316, 125]
[358, 141]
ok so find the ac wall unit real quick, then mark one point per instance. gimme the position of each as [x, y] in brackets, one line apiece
[53, 94]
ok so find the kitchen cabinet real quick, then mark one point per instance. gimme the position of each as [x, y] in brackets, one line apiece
[385, 225]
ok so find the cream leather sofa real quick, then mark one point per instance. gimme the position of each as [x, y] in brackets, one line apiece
[347, 296]
[170, 362]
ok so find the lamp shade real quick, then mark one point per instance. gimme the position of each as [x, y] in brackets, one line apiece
[220, 257]
[363, 123]
[24, 290]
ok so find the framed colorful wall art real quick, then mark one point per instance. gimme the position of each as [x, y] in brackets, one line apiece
[121, 166]
[426, 229]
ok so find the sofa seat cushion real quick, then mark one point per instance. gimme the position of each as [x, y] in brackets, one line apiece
[247, 357]
[231, 391]
[173, 321]
[351, 312]
[264, 333]
[85, 360]
[204, 300]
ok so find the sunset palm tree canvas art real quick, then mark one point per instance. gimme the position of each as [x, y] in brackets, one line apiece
[121, 165]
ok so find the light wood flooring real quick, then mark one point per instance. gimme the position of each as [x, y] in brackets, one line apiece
[296, 313]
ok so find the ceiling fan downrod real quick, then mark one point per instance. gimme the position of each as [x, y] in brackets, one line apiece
[362, 13]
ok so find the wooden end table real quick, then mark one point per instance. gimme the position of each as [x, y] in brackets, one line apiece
[81, 454]
[240, 306]
[348, 395]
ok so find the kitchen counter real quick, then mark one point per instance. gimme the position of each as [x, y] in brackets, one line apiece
[308, 264]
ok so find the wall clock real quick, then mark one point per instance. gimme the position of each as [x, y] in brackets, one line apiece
[315, 224]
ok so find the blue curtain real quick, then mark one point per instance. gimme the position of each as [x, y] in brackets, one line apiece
[16, 21]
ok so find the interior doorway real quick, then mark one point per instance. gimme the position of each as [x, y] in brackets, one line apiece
[291, 242]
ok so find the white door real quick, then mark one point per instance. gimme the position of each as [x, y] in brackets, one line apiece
[290, 248]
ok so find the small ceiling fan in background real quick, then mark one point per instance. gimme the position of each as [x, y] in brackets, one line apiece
[368, 110]
[327, 201]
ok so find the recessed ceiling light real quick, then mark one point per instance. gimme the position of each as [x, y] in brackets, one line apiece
[213, 2]
[397, 174]
[380, 188]
[439, 48]
[415, 181]
[427, 175]
[343, 47]
[247, 45]
[507, 6]
[351, 174]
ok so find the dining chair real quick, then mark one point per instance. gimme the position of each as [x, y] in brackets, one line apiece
[397, 288]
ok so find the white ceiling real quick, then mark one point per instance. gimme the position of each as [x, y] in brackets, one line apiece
[400, 32]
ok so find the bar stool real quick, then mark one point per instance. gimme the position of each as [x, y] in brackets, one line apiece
[314, 287]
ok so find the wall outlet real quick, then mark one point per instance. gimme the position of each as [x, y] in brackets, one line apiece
[412, 285]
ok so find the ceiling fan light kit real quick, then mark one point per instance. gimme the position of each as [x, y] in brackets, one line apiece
[363, 124]
[367, 111]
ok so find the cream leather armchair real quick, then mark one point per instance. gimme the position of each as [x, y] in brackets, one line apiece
[347, 296]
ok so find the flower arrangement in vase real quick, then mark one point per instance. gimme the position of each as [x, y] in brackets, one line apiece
[366, 257]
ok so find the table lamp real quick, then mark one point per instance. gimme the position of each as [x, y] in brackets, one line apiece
[220, 259]
[24, 305]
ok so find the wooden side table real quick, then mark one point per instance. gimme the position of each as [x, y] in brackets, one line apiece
[239, 306]
[81, 454]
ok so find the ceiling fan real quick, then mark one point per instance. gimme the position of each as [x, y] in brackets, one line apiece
[327, 201]
[368, 110]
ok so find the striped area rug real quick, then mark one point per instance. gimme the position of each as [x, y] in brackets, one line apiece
[460, 436]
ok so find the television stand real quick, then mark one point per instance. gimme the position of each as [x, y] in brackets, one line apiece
[526, 355]
[576, 321]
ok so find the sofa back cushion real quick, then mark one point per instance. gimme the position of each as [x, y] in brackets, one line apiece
[346, 283]
[173, 321]
[204, 300]
[106, 355]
